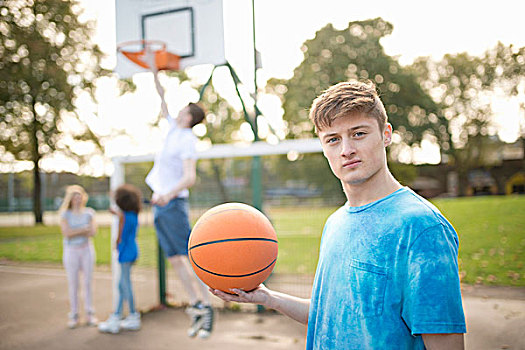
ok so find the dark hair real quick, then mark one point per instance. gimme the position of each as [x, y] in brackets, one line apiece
[197, 114]
[128, 198]
[345, 99]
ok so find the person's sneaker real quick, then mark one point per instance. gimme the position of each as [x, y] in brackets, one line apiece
[111, 325]
[195, 312]
[131, 323]
[72, 321]
[207, 323]
[91, 320]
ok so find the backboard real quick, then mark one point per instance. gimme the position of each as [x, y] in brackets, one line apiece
[192, 29]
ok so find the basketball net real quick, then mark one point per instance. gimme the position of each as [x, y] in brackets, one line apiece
[136, 51]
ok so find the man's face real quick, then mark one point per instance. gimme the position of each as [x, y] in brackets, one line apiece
[355, 148]
[184, 117]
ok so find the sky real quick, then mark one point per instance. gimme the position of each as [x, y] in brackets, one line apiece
[421, 28]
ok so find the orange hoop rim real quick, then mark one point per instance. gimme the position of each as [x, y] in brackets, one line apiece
[164, 60]
[143, 42]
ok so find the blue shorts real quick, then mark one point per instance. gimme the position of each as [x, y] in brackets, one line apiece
[173, 226]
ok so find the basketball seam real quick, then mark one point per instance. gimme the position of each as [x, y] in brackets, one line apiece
[233, 276]
[234, 240]
[229, 209]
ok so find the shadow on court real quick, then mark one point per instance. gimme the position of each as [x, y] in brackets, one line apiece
[34, 306]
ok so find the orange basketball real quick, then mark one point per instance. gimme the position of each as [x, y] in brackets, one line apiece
[233, 245]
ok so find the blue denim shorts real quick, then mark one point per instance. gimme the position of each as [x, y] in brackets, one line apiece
[173, 226]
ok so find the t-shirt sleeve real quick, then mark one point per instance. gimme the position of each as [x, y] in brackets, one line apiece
[432, 294]
[90, 215]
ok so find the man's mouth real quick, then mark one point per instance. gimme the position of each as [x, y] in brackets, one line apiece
[351, 164]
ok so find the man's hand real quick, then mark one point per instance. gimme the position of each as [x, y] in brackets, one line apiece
[259, 295]
[160, 199]
[293, 307]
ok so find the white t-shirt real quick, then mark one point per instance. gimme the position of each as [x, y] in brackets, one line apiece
[179, 145]
[75, 221]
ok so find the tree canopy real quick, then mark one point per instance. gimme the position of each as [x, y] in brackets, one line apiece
[47, 60]
[356, 53]
[464, 86]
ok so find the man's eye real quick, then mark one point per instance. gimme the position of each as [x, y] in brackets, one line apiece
[331, 140]
[359, 134]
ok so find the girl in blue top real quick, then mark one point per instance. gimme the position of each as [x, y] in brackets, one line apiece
[128, 199]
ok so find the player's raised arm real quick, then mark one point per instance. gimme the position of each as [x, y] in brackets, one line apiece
[293, 307]
[149, 58]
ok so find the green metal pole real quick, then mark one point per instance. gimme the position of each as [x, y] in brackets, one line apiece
[257, 183]
[256, 161]
[162, 275]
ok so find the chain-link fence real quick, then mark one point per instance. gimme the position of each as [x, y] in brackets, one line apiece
[297, 195]
[16, 195]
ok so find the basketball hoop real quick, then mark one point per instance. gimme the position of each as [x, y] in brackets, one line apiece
[135, 51]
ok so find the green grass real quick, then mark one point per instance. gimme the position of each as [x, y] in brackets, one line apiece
[299, 220]
[491, 231]
[45, 244]
[492, 237]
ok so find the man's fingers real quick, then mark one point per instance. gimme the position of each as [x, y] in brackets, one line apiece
[225, 296]
[239, 292]
[239, 296]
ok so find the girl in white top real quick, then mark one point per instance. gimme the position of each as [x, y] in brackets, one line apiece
[78, 226]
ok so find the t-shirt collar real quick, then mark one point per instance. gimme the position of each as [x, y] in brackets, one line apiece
[350, 209]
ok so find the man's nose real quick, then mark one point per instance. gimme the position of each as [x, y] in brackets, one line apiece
[348, 147]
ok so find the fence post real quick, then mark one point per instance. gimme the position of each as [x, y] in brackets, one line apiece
[11, 192]
[162, 275]
[117, 179]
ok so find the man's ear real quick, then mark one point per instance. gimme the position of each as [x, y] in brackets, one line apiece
[387, 135]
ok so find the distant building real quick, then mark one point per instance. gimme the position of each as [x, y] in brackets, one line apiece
[505, 175]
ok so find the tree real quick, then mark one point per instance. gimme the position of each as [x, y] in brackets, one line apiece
[356, 53]
[47, 60]
[463, 85]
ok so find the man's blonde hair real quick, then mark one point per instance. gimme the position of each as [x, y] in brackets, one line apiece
[347, 98]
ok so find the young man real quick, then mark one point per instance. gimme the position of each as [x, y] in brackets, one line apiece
[173, 172]
[387, 276]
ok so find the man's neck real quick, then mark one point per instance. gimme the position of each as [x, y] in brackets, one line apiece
[375, 188]
[183, 126]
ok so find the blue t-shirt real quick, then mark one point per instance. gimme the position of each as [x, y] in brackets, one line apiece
[387, 273]
[128, 250]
